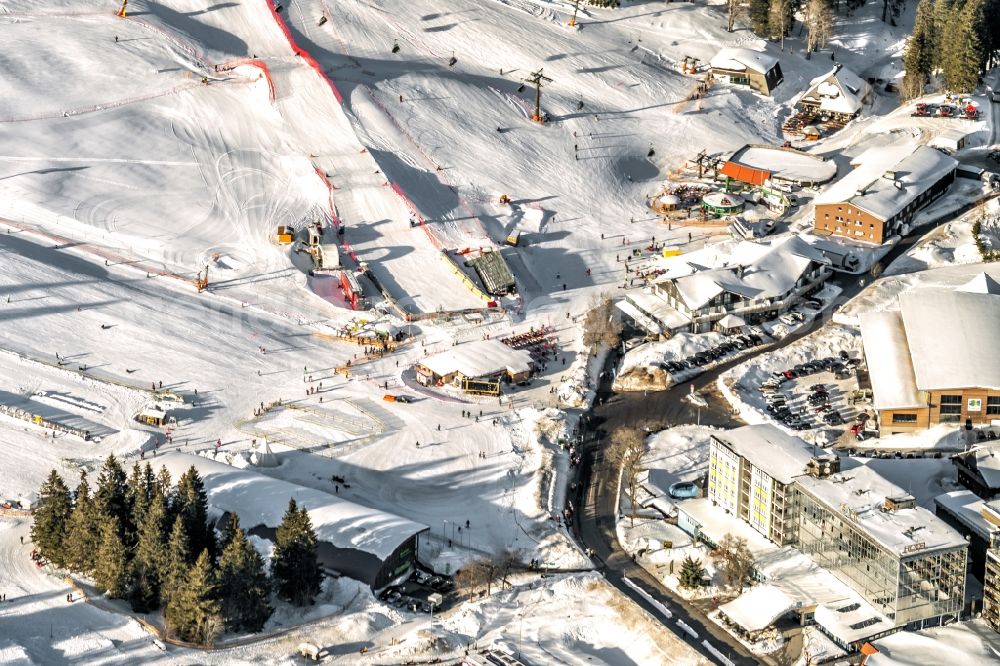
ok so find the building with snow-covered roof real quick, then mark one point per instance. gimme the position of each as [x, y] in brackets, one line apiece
[952, 140]
[870, 533]
[880, 197]
[908, 564]
[760, 281]
[489, 360]
[757, 70]
[934, 360]
[356, 541]
[840, 94]
[755, 611]
[750, 471]
[978, 469]
[973, 518]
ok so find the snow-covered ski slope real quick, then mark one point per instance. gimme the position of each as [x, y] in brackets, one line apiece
[120, 143]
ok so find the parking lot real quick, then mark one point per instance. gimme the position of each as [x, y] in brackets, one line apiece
[820, 393]
[693, 365]
[415, 594]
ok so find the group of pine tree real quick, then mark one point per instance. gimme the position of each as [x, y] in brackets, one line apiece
[955, 39]
[142, 539]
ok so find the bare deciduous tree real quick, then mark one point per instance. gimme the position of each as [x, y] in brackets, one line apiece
[735, 9]
[471, 578]
[601, 325]
[819, 21]
[779, 19]
[734, 558]
[626, 452]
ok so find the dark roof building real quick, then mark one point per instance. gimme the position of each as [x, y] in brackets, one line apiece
[356, 541]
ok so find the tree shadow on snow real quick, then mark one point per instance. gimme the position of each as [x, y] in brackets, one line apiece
[211, 37]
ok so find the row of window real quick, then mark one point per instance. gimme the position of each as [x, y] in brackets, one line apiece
[857, 222]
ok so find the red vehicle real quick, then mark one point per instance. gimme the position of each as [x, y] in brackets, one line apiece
[921, 110]
[946, 111]
[971, 112]
[351, 288]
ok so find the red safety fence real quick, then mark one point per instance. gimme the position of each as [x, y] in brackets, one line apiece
[301, 52]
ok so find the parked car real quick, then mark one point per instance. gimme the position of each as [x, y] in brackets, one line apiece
[683, 490]
[818, 387]
[788, 319]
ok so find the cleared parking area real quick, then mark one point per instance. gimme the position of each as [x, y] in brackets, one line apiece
[422, 592]
[820, 393]
[693, 365]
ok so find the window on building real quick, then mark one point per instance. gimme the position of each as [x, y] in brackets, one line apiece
[951, 408]
[993, 405]
[904, 418]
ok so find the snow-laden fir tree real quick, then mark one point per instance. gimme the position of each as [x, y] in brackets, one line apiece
[294, 565]
[51, 519]
[244, 589]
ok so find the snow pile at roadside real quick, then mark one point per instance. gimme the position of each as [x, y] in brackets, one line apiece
[577, 385]
[541, 499]
[575, 620]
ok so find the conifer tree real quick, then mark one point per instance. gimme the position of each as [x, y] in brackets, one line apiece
[758, 14]
[83, 536]
[918, 58]
[150, 563]
[51, 519]
[111, 568]
[140, 491]
[191, 505]
[691, 573]
[112, 498]
[244, 589]
[164, 483]
[294, 564]
[229, 530]
[192, 613]
[963, 47]
[941, 14]
[178, 561]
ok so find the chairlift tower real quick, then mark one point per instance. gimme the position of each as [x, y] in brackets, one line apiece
[576, 8]
[538, 79]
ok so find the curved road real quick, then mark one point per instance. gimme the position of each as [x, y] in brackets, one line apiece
[594, 520]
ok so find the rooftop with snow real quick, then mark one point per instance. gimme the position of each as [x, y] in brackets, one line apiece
[860, 493]
[888, 179]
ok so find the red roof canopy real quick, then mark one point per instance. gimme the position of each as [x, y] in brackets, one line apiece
[745, 174]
